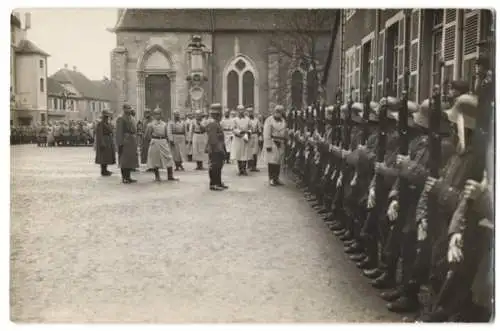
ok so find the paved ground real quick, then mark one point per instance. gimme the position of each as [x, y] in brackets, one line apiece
[90, 249]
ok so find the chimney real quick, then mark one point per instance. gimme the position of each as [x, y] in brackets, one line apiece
[74, 68]
[65, 66]
[27, 21]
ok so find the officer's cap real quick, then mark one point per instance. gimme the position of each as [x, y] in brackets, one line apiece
[279, 108]
[215, 108]
[240, 108]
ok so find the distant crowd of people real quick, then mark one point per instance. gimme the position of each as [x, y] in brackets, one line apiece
[57, 133]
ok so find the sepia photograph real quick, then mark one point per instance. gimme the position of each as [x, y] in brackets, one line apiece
[251, 165]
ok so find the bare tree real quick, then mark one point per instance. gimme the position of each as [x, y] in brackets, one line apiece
[301, 39]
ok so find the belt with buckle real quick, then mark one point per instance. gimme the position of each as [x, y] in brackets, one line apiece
[158, 137]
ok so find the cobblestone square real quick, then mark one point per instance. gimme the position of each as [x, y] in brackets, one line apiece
[89, 249]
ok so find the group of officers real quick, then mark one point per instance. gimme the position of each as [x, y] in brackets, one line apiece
[58, 133]
[413, 219]
[239, 136]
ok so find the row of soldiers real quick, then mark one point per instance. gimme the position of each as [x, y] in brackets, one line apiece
[59, 133]
[404, 186]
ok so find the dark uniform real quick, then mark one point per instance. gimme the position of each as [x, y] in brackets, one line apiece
[104, 145]
[215, 148]
[126, 140]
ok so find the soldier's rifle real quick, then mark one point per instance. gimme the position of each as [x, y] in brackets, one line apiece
[366, 112]
[403, 136]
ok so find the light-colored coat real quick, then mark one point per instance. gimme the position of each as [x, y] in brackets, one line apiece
[240, 145]
[275, 133]
[253, 148]
[199, 139]
[227, 125]
[159, 154]
[189, 135]
[179, 134]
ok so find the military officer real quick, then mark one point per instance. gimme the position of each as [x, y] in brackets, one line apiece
[240, 145]
[227, 124]
[145, 140]
[189, 142]
[199, 140]
[104, 145]
[215, 148]
[126, 140]
[274, 142]
[159, 153]
[178, 129]
[253, 148]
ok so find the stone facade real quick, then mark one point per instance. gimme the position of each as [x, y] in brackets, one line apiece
[237, 44]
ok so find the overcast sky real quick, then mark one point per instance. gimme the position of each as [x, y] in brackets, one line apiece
[77, 37]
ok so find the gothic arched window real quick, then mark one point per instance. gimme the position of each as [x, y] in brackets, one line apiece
[248, 89]
[312, 87]
[297, 89]
[232, 90]
[240, 84]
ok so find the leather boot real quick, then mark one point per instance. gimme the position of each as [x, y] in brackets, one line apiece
[383, 282]
[157, 174]
[366, 263]
[372, 273]
[170, 173]
[404, 304]
[357, 257]
[392, 294]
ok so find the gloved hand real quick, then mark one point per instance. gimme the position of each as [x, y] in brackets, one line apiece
[339, 180]
[429, 183]
[422, 230]
[354, 180]
[269, 149]
[392, 211]
[371, 198]
[473, 189]
[455, 253]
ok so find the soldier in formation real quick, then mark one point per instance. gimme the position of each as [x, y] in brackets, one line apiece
[59, 133]
[227, 124]
[403, 186]
[199, 140]
[274, 139]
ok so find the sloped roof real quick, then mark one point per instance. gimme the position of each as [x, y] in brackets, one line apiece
[205, 20]
[28, 47]
[15, 21]
[87, 88]
[53, 87]
[108, 89]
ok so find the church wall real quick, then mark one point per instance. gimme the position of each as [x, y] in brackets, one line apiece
[254, 46]
[175, 43]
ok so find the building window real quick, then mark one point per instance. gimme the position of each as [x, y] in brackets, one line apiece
[297, 89]
[240, 84]
[232, 90]
[93, 106]
[437, 39]
[42, 85]
[312, 87]
[41, 64]
[63, 104]
[248, 89]
[349, 13]
[56, 103]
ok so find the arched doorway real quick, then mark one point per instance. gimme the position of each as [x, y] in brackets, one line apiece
[155, 81]
[158, 94]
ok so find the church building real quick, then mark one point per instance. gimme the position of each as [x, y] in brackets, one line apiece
[185, 59]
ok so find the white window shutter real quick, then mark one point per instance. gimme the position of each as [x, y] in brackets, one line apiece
[448, 45]
[380, 65]
[416, 22]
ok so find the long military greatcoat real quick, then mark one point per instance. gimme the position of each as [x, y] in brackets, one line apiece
[275, 133]
[104, 145]
[126, 140]
[145, 143]
[179, 136]
[240, 145]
